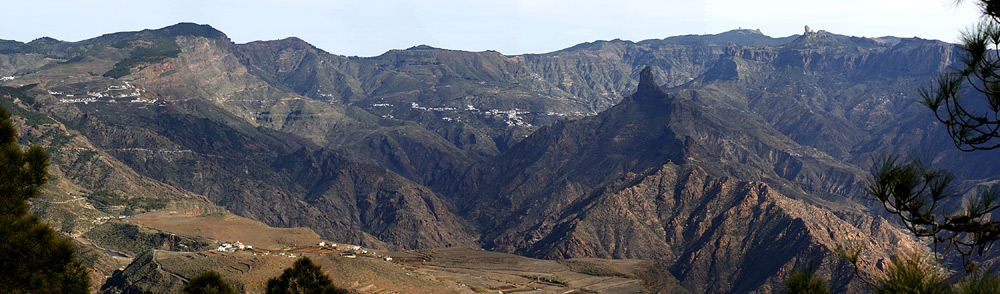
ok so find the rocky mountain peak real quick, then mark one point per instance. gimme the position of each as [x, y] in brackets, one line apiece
[646, 78]
[648, 89]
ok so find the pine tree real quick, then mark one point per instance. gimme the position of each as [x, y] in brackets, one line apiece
[33, 258]
[972, 124]
[967, 103]
[304, 277]
[209, 282]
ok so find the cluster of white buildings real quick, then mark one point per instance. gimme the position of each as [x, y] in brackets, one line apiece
[104, 219]
[232, 247]
[414, 105]
[77, 100]
[511, 117]
[140, 100]
[124, 91]
[334, 245]
[7, 78]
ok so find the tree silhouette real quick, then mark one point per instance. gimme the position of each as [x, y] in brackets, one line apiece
[209, 282]
[972, 124]
[33, 259]
[304, 277]
[917, 193]
[922, 196]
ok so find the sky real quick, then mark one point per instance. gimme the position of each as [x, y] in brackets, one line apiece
[372, 27]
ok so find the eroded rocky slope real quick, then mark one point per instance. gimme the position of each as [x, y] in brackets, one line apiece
[756, 139]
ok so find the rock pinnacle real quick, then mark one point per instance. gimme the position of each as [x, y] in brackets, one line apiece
[646, 80]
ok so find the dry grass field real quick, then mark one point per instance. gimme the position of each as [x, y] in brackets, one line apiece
[438, 270]
[229, 227]
[489, 271]
[249, 271]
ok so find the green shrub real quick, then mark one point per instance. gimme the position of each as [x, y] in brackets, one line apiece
[805, 282]
[209, 282]
[303, 277]
[910, 273]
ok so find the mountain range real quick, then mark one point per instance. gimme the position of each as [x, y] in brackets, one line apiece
[730, 160]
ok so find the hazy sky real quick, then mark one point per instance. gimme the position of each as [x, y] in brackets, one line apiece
[371, 27]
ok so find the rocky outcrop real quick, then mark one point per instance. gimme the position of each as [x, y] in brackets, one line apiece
[143, 275]
[715, 234]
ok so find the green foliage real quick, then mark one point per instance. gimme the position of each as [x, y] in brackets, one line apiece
[912, 274]
[52, 137]
[105, 200]
[133, 239]
[160, 49]
[15, 47]
[303, 277]
[920, 195]
[916, 194]
[7, 95]
[972, 124]
[980, 283]
[33, 259]
[189, 29]
[209, 282]
[805, 282]
[594, 269]
[553, 279]
[23, 172]
[77, 58]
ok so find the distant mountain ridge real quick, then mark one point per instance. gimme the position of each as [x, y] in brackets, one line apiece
[745, 139]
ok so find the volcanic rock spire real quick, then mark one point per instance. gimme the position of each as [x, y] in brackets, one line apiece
[649, 90]
[646, 80]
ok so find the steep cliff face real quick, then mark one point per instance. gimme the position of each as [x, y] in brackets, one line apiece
[715, 234]
[601, 73]
[857, 92]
